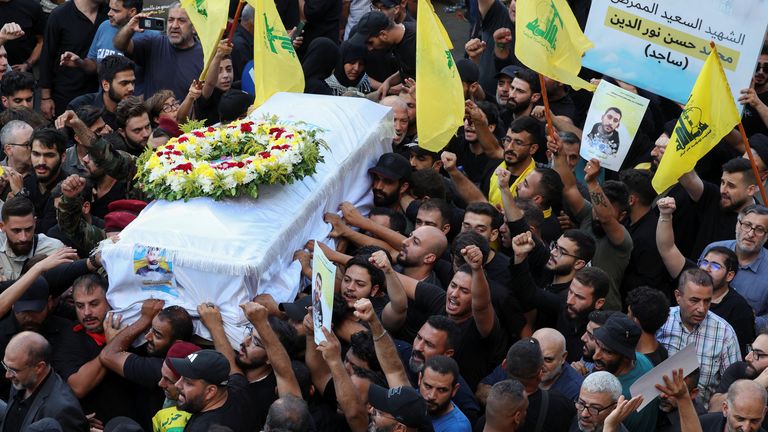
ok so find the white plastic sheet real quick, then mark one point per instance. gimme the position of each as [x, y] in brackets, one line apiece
[227, 252]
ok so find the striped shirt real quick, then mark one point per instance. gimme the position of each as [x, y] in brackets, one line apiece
[716, 346]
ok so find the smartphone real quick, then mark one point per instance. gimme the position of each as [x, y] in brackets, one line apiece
[152, 24]
[299, 29]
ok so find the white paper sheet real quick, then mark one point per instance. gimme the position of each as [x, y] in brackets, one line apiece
[646, 384]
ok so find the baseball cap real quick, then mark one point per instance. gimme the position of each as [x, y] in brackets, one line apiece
[759, 145]
[208, 365]
[392, 166]
[404, 403]
[179, 349]
[386, 3]
[468, 70]
[34, 298]
[297, 310]
[369, 25]
[510, 71]
[619, 334]
[414, 148]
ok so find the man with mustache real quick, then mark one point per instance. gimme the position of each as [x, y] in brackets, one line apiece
[692, 322]
[438, 384]
[18, 241]
[605, 134]
[390, 180]
[518, 90]
[752, 368]
[755, 118]
[117, 80]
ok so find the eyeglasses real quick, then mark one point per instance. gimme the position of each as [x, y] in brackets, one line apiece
[558, 251]
[755, 353]
[27, 144]
[593, 411]
[761, 66]
[11, 370]
[518, 142]
[759, 230]
[255, 341]
[703, 263]
[171, 106]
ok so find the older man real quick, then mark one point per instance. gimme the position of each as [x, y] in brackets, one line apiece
[597, 398]
[558, 375]
[743, 409]
[38, 392]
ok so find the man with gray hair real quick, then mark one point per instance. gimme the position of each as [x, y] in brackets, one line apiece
[743, 409]
[558, 374]
[506, 407]
[15, 138]
[400, 110]
[598, 396]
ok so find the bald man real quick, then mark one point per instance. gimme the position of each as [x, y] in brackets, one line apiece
[743, 409]
[38, 391]
[558, 374]
[419, 254]
[400, 110]
[506, 407]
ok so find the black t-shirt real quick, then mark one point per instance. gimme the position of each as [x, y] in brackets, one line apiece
[714, 224]
[658, 356]
[733, 373]
[237, 413]
[100, 206]
[558, 415]
[495, 18]
[405, 52]
[750, 119]
[29, 16]
[262, 393]
[739, 314]
[144, 373]
[111, 397]
[645, 265]
[475, 166]
[715, 422]
[45, 211]
[563, 107]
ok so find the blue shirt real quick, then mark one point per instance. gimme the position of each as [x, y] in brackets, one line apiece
[645, 420]
[167, 67]
[751, 282]
[568, 383]
[102, 46]
[453, 421]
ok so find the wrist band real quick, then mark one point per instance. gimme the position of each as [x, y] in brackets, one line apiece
[501, 45]
[376, 338]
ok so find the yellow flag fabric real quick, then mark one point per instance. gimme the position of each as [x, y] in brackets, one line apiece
[210, 20]
[439, 93]
[276, 68]
[709, 115]
[548, 39]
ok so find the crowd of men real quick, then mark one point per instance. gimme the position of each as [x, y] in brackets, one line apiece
[501, 284]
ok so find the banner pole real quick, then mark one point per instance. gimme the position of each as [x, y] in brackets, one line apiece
[547, 112]
[235, 20]
[752, 162]
[208, 63]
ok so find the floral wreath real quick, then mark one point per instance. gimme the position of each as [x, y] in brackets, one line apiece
[230, 161]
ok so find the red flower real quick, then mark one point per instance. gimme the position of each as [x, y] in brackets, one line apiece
[211, 129]
[278, 131]
[245, 127]
[169, 147]
[186, 167]
[177, 153]
[183, 139]
[240, 164]
[198, 134]
[264, 155]
[289, 136]
[159, 153]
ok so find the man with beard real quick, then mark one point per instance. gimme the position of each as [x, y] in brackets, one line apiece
[400, 111]
[438, 384]
[602, 218]
[597, 400]
[75, 155]
[692, 322]
[597, 318]
[477, 147]
[117, 78]
[47, 156]
[420, 252]
[177, 52]
[439, 336]
[170, 419]
[605, 134]
[133, 125]
[615, 353]
[752, 368]
[586, 292]
[750, 279]
[259, 373]
[38, 391]
[15, 138]
[100, 390]
[517, 92]
[524, 137]
[754, 98]
[391, 180]
[408, 95]
[558, 375]
[161, 328]
[20, 243]
[544, 187]
[483, 219]
[717, 209]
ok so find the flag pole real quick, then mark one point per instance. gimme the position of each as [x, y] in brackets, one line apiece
[208, 63]
[752, 162]
[547, 112]
[235, 20]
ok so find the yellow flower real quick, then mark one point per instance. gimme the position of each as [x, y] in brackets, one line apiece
[154, 162]
[204, 170]
[239, 175]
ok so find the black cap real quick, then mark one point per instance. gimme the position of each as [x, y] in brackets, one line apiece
[468, 70]
[392, 166]
[414, 148]
[619, 334]
[403, 403]
[297, 310]
[369, 25]
[207, 364]
[524, 359]
[389, 4]
[233, 105]
[759, 145]
[510, 71]
[34, 298]
[122, 424]
[669, 127]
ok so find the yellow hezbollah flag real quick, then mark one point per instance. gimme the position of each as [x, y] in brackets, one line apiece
[439, 93]
[210, 20]
[275, 65]
[709, 115]
[548, 40]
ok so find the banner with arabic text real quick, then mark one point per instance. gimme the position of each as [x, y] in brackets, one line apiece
[661, 46]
